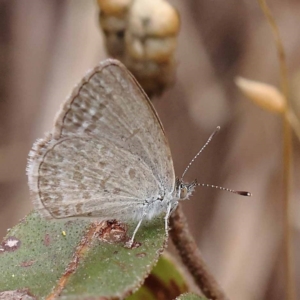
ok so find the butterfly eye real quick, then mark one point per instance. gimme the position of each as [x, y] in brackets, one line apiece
[183, 192]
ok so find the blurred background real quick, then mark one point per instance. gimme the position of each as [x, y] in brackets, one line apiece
[47, 46]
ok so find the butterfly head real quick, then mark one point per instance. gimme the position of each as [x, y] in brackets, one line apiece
[184, 190]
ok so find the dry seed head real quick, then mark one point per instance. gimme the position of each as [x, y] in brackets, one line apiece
[114, 7]
[156, 49]
[152, 30]
[143, 35]
[264, 95]
[156, 18]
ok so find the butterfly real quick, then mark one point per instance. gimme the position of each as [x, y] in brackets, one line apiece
[107, 156]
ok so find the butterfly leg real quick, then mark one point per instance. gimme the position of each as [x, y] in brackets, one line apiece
[170, 210]
[174, 207]
[130, 242]
[167, 216]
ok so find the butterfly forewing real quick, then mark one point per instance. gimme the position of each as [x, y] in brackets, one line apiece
[110, 103]
[107, 153]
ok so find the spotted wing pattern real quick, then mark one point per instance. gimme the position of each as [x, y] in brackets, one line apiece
[107, 153]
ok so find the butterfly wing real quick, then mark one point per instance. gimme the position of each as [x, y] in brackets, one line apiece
[109, 109]
[109, 102]
[83, 176]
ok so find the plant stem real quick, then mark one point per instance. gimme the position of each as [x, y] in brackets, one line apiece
[289, 255]
[294, 122]
[192, 258]
[287, 156]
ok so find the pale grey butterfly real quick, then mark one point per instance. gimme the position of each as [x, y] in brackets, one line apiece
[107, 156]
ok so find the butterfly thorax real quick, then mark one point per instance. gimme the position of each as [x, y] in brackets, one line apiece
[183, 189]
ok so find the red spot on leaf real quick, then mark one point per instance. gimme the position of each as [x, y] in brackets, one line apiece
[10, 244]
[27, 263]
[17, 295]
[141, 255]
[113, 232]
[47, 240]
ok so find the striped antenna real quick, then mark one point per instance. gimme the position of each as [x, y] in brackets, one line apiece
[242, 193]
[207, 142]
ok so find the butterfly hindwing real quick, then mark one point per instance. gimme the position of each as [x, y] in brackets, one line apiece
[83, 176]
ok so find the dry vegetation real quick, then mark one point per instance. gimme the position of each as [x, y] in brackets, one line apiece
[46, 47]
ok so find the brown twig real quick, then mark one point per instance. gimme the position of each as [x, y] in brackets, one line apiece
[192, 258]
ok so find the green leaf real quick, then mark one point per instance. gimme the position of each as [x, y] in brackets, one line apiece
[166, 281]
[190, 296]
[41, 255]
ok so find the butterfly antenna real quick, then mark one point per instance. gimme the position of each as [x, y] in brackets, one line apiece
[242, 193]
[207, 142]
